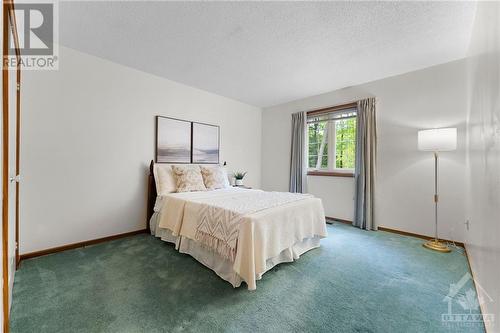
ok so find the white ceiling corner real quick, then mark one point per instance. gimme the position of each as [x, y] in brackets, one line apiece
[267, 53]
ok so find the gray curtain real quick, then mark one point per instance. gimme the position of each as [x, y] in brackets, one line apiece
[298, 164]
[364, 173]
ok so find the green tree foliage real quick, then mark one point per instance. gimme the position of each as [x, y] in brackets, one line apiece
[345, 133]
[316, 132]
[345, 144]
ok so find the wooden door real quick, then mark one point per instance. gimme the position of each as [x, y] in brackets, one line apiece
[11, 80]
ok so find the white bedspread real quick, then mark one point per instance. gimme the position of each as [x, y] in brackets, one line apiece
[264, 231]
[219, 217]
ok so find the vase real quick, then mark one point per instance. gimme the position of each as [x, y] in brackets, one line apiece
[239, 182]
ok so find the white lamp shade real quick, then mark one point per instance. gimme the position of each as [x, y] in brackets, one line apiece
[437, 139]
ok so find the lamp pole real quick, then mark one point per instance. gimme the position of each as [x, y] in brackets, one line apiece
[436, 140]
[435, 244]
[436, 196]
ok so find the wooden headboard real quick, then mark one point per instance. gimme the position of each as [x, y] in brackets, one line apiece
[151, 194]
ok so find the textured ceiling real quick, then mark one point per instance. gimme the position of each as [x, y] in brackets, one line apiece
[267, 53]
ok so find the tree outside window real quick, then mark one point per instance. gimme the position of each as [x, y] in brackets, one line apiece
[332, 143]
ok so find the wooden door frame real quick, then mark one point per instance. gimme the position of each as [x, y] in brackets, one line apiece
[5, 170]
[18, 131]
[9, 22]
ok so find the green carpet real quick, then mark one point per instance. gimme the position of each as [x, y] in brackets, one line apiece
[358, 281]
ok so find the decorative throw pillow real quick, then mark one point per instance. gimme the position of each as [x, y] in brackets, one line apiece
[188, 178]
[214, 177]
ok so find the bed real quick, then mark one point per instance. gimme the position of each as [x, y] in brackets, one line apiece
[238, 233]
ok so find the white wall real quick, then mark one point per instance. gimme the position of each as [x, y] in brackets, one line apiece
[88, 138]
[432, 97]
[483, 158]
[337, 194]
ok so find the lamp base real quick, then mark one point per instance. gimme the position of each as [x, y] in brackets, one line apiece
[436, 246]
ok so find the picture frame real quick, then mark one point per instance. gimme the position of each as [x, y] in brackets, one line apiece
[173, 140]
[205, 143]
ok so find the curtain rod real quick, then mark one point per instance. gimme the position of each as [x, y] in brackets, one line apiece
[328, 119]
[333, 108]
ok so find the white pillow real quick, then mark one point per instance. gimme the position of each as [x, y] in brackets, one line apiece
[164, 179]
[214, 177]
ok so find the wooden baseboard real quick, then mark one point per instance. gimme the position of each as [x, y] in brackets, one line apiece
[406, 233]
[79, 244]
[338, 220]
[486, 327]
[396, 231]
[109, 238]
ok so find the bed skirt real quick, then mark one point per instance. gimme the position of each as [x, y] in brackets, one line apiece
[220, 265]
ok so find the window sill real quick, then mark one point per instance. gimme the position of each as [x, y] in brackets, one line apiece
[330, 174]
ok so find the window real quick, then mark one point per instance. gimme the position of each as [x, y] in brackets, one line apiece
[332, 141]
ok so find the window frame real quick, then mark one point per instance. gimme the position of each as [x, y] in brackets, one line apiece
[331, 141]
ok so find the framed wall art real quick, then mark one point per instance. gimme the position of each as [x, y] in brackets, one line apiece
[205, 143]
[173, 140]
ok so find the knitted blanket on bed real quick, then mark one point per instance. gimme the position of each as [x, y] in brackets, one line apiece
[219, 218]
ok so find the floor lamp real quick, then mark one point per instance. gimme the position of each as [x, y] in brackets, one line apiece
[437, 140]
